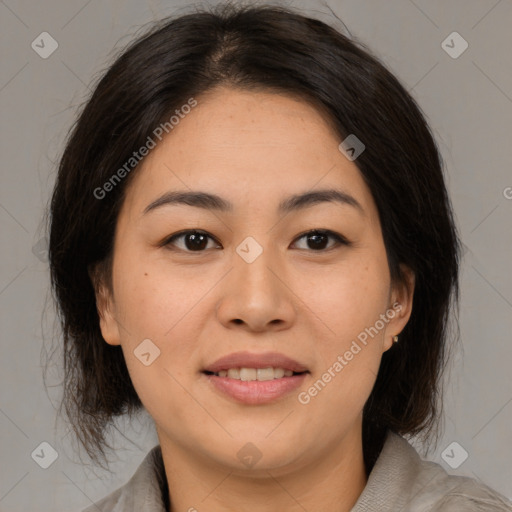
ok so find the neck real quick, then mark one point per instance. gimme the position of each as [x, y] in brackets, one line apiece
[332, 481]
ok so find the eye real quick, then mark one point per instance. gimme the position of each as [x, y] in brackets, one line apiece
[194, 240]
[318, 238]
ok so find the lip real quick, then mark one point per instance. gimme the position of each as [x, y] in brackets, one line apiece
[255, 392]
[251, 360]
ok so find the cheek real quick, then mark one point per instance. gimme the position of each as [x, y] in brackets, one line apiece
[153, 299]
[159, 307]
[348, 298]
[350, 303]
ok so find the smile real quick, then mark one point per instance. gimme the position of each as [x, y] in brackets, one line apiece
[259, 374]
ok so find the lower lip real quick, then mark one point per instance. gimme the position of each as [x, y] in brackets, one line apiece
[256, 392]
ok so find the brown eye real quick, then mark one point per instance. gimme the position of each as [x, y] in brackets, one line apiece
[317, 240]
[193, 241]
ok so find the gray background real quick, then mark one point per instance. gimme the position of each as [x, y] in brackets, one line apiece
[468, 101]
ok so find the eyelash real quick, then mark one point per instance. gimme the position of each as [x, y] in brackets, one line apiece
[340, 240]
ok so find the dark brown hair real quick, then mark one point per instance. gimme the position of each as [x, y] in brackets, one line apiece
[275, 49]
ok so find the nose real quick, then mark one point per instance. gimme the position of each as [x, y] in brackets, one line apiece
[256, 296]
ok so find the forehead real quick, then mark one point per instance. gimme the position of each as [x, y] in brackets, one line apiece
[252, 148]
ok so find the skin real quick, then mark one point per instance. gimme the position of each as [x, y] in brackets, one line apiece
[253, 149]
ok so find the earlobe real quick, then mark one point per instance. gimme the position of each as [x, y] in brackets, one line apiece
[105, 307]
[108, 325]
[406, 291]
[401, 305]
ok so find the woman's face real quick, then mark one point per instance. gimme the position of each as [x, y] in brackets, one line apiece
[255, 291]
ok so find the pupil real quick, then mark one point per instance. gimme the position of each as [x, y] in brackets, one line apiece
[317, 242]
[198, 241]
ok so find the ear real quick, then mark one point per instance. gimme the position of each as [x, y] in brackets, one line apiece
[400, 307]
[105, 305]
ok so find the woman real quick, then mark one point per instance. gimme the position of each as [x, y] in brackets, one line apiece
[251, 238]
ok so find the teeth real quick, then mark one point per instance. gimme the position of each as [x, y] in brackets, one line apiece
[265, 373]
[234, 373]
[278, 373]
[250, 374]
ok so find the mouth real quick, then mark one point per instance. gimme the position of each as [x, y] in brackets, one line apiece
[250, 361]
[251, 374]
[255, 378]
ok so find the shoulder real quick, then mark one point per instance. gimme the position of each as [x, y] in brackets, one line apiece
[472, 496]
[143, 492]
[401, 480]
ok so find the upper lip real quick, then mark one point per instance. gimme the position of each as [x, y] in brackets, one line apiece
[250, 360]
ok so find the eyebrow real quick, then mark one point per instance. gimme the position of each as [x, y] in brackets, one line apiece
[295, 202]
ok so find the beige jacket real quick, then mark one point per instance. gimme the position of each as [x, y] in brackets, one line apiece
[399, 482]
